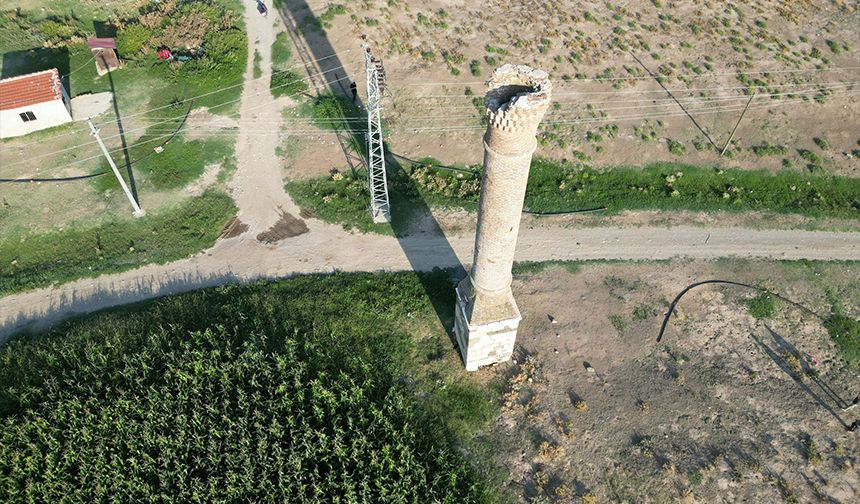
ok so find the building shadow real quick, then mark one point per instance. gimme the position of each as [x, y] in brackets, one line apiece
[37, 59]
[327, 73]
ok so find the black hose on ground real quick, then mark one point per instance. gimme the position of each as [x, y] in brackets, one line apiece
[727, 282]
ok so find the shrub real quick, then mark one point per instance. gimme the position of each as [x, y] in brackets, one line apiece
[133, 39]
[822, 143]
[766, 149]
[475, 67]
[287, 83]
[762, 306]
[675, 147]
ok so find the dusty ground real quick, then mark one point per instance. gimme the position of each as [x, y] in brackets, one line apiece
[700, 49]
[726, 409]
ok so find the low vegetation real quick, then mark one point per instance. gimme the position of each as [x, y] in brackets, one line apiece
[285, 81]
[293, 391]
[28, 262]
[564, 187]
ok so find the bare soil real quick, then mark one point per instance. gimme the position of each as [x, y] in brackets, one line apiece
[726, 408]
[286, 227]
[699, 48]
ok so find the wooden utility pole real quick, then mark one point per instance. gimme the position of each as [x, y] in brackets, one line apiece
[138, 212]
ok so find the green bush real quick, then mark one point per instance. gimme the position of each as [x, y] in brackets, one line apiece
[271, 392]
[132, 39]
[287, 83]
[845, 332]
[762, 306]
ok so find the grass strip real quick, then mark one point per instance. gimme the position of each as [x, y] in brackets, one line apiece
[32, 261]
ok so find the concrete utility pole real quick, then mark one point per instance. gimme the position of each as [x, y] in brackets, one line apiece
[380, 209]
[487, 316]
[138, 212]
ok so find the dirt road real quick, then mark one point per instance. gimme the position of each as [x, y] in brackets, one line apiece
[321, 250]
[257, 186]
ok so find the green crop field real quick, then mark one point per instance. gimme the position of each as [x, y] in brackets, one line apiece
[305, 390]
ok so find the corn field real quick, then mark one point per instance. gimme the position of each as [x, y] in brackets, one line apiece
[239, 394]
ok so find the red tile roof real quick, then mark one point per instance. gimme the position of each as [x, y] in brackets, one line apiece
[101, 43]
[30, 89]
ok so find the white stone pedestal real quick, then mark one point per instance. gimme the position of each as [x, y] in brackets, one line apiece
[483, 341]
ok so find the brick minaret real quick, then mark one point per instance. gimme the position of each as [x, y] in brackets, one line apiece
[487, 316]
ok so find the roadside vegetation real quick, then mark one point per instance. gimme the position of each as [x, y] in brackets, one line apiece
[285, 80]
[274, 391]
[565, 187]
[32, 261]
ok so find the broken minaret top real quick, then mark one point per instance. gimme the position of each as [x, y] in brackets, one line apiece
[517, 99]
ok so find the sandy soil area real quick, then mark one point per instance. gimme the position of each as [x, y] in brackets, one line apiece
[726, 408]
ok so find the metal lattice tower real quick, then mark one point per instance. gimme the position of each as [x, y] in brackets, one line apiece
[380, 209]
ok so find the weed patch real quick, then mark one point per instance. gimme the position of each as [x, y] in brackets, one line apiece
[28, 262]
[762, 306]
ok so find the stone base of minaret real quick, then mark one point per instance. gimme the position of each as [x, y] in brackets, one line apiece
[485, 325]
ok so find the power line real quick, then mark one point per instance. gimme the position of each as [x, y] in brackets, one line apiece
[125, 132]
[107, 123]
[691, 76]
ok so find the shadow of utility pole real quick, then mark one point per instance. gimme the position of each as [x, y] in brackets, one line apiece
[779, 351]
[327, 73]
[131, 183]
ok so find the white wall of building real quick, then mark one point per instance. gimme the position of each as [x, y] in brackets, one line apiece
[48, 114]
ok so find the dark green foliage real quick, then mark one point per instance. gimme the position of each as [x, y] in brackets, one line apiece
[334, 112]
[132, 39]
[122, 244]
[287, 83]
[283, 392]
[281, 50]
[226, 47]
[845, 332]
[762, 306]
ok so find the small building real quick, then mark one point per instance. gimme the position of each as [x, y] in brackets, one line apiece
[33, 102]
[104, 52]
